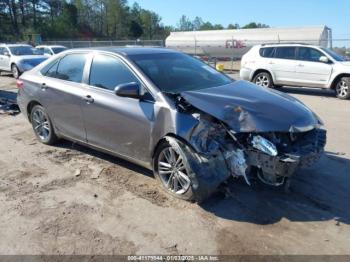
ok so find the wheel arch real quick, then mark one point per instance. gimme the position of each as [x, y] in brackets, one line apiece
[30, 106]
[172, 135]
[337, 78]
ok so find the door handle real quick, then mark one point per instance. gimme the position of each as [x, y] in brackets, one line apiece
[301, 65]
[43, 86]
[88, 99]
[271, 63]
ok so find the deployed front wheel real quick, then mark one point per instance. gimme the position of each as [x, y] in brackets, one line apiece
[342, 88]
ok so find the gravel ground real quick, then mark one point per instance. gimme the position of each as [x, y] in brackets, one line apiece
[69, 199]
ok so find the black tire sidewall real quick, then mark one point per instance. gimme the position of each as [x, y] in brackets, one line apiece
[52, 138]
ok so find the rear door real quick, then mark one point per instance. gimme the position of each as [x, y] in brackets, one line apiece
[118, 124]
[61, 93]
[309, 70]
[283, 65]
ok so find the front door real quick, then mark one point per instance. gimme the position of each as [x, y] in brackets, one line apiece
[4, 59]
[310, 71]
[118, 124]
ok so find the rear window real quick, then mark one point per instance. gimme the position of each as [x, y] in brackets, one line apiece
[71, 68]
[267, 52]
[285, 52]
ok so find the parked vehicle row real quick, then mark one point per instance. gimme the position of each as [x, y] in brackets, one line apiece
[303, 65]
[18, 58]
[192, 125]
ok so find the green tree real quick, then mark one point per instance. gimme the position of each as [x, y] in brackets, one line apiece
[136, 30]
[185, 24]
[255, 25]
[233, 26]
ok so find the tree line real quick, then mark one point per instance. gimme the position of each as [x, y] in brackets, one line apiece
[90, 19]
[186, 24]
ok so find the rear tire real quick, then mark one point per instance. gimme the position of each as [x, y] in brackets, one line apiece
[15, 71]
[342, 88]
[42, 125]
[263, 79]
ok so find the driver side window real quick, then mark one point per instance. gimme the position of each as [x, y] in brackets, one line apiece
[309, 54]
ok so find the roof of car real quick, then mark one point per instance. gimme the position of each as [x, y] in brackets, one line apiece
[287, 44]
[131, 50]
[15, 45]
[50, 46]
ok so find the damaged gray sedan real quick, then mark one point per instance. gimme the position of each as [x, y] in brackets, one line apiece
[193, 126]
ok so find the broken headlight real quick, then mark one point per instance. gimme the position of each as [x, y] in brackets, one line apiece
[264, 145]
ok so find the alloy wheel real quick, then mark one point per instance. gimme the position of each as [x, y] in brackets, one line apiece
[172, 171]
[342, 89]
[41, 124]
[262, 80]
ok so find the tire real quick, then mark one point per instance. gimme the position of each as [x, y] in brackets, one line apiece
[263, 79]
[15, 71]
[183, 192]
[342, 88]
[42, 125]
[193, 190]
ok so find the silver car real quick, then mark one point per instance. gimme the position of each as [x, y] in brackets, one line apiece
[192, 125]
[18, 58]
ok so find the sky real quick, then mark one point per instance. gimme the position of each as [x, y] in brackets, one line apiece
[333, 13]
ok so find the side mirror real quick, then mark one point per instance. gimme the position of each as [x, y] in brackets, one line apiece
[6, 53]
[131, 90]
[324, 59]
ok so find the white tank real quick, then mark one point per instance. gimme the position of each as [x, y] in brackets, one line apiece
[235, 43]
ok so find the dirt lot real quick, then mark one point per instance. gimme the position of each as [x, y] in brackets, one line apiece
[68, 199]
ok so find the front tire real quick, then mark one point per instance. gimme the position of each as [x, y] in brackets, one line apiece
[342, 88]
[263, 79]
[42, 125]
[15, 71]
[172, 169]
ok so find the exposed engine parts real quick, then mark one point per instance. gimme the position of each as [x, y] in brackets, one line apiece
[270, 156]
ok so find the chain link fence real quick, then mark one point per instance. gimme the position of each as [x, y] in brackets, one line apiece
[228, 53]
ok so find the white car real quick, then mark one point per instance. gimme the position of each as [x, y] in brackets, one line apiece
[17, 58]
[273, 65]
[49, 50]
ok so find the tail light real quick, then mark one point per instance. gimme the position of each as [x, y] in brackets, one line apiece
[19, 84]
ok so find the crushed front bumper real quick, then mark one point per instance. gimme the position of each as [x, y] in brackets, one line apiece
[303, 153]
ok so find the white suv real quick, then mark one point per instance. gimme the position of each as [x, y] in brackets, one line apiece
[273, 65]
[17, 58]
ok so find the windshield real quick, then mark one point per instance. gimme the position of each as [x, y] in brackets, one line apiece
[57, 50]
[334, 55]
[22, 50]
[176, 72]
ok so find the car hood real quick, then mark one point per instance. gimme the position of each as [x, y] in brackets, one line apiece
[246, 107]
